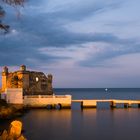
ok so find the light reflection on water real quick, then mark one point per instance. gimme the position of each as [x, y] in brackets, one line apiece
[49, 124]
[87, 124]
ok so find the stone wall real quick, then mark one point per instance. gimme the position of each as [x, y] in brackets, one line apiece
[14, 95]
[42, 101]
[32, 82]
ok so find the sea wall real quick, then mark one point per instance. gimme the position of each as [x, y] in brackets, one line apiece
[8, 111]
[63, 101]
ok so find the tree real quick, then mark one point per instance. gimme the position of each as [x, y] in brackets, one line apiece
[14, 3]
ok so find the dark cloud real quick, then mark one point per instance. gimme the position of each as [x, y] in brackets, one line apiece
[98, 60]
[81, 10]
[35, 31]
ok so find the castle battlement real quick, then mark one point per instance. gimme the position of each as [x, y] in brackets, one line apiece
[32, 82]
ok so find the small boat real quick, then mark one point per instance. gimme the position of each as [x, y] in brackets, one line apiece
[106, 89]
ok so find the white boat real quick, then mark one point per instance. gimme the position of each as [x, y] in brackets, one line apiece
[106, 89]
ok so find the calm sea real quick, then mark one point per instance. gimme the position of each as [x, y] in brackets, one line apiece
[102, 123]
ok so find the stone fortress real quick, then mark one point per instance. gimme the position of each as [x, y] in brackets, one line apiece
[34, 89]
[31, 89]
[32, 82]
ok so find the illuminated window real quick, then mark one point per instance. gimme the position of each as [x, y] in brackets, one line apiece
[37, 79]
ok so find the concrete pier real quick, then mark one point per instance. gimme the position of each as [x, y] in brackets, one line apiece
[48, 101]
[15, 96]
[113, 103]
[125, 105]
[88, 103]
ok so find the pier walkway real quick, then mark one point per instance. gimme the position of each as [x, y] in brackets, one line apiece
[15, 96]
[113, 102]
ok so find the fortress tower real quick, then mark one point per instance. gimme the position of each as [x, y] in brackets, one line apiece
[32, 82]
[4, 78]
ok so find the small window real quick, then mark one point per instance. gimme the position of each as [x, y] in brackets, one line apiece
[37, 79]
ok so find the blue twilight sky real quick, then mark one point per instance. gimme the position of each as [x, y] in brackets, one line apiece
[83, 43]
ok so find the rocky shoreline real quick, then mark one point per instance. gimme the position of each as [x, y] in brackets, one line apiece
[14, 132]
[8, 111]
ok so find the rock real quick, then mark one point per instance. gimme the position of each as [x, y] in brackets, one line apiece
[6, 112]
[14, 132]
[4, 135]
[15, 129]
[21, 138]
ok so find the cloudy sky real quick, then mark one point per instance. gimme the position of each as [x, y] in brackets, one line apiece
[83, 43]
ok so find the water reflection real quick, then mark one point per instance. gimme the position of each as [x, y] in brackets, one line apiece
[49, 124]
[86, 124]
[118, 124]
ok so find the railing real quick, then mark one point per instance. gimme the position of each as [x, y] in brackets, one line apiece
[46, 96]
